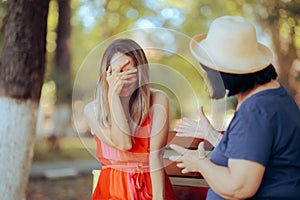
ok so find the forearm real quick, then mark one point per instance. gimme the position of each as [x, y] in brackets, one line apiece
[221, 180]
[158, 140]
[120, 131]
[96, 128]
[157, 177]
[214, 137]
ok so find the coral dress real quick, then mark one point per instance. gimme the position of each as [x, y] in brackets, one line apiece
[125, 174]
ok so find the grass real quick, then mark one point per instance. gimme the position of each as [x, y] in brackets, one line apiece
[66, 148]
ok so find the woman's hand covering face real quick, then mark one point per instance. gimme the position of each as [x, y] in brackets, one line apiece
[121, 72]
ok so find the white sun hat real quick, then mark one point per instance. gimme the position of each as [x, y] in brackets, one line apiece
[231, 46]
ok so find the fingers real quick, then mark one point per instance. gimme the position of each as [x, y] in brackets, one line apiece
[120, 83]
[179, 149]
[189, 121]
[185, 134]
[201, 151]
[190, 129]
[180, 165]
[182, 127]
[175, 158]
[187, 127]
[109, 71]
[201, 146]
[124, 82]
[129, 72]
[119, 69]
[194, 122]
[126, 75]
[202, 114]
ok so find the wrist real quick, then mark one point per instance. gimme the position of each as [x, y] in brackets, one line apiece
[201, 155]
[158, 198]
[113, 99]
[201, 164]
[214, 137]
[112, 94]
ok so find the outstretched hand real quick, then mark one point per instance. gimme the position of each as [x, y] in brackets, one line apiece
[188, 159]
[192, 128]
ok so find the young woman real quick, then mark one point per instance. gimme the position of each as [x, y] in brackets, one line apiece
[259, 155]
[130, 123]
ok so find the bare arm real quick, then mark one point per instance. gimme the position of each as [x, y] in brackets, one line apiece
[158, 140]
[101, 132]
[119, 131]
[240, 180]
[118, 134]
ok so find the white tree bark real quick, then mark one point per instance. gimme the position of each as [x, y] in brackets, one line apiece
[17, 135]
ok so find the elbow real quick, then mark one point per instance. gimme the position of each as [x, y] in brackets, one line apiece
[239, 192]
[156, 159]
[246, 192]
[123, 146]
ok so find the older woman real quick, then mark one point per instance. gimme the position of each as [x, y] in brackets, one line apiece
[258, 157]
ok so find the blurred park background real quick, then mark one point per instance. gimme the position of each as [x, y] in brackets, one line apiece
[76, 33]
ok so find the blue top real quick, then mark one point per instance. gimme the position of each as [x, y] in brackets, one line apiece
[265, 129]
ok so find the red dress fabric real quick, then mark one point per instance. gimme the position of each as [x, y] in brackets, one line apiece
[125, 174]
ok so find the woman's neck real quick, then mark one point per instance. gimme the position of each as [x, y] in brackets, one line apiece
[241, 97]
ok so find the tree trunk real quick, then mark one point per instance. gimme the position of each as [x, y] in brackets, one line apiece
[22, 67]
[62, 68]
[285, 63]
[284, 60]
[62, 71]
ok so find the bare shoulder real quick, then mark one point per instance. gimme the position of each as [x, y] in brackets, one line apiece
[89, 108]
[158, 97]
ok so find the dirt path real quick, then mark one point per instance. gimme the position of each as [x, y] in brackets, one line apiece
[78, 188]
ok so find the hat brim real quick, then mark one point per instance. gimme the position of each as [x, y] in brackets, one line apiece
[238, 65]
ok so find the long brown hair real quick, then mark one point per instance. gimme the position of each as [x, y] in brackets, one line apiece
[140, 99]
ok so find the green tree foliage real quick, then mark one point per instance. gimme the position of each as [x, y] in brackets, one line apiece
[281, 20]
[93, 22]
[51, 38]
